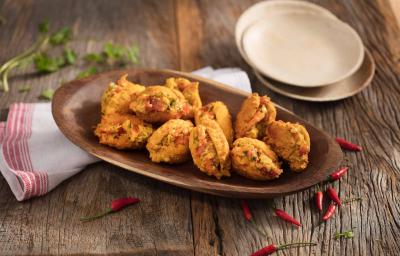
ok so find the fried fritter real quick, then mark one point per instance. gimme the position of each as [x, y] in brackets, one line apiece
[170, 142]
[158, 104]
[254, 116]
[117, 97]
[254, 159]
[123, 131]
[219, 112]
[291, 142]
[190, 90]
[210, 149]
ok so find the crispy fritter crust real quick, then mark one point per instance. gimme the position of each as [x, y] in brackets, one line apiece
[123, 131]
[190, 90]
[117, 97]
[255, 160]
[210, 149]
[291, 142]
[219, 112]
[170, 142]
[158, 104]
[254, 116]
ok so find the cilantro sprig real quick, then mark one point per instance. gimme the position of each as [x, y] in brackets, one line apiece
[37, 54]
[115, 54]
[111, 55]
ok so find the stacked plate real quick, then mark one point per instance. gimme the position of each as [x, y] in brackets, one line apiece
[303, 51]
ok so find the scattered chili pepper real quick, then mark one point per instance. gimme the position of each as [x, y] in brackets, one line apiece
[346, 234]
[329, 213]
[286, 217]
[116, 205]
[348, 145]
[319, 196]
[249, 217]
[347, 201]
[333, 195]
[246, 210]
[269, 249]
[338, 174]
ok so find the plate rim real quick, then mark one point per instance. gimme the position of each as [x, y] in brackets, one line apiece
[366, 83]
[350, 72]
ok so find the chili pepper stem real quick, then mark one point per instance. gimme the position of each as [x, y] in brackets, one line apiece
[84, 219]
[284, 246]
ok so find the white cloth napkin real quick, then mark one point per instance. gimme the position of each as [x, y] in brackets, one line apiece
[35, 156]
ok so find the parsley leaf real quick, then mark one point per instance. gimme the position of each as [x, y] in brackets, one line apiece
[62, 36]
[114, 51]
[94, 57]
[25, 88]
[347, 234]
[47, 94]
[44, 26]
[69, 56]
[88, 72]
[45, 64]
[133, 54]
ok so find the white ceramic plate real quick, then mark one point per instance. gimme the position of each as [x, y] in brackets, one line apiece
[303, 48]
[348, 87]
[264, 9]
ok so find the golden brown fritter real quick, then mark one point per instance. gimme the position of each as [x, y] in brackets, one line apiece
[210, 149]
[117, 97]
[219, 112]
[254, 116]
[123, 131]
[158, 104]
[254, 159]
[291, 142]
[170, 142]
[190, 90]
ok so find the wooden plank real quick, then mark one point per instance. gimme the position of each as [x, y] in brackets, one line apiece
[49, 225]
[368, 119]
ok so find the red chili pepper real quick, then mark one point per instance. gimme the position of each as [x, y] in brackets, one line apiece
[333, 195]
[319, 197]
[348, 145]
[286, 217]
[329, 212]
[116, 205]
[338, 174]
[269, 249]
[249, 217]
[246, 210]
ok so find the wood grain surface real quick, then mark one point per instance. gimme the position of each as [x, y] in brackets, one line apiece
[187, 35]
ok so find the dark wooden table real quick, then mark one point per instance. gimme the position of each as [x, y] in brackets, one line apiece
[186, 35]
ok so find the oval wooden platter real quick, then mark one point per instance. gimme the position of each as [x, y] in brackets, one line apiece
[76, 110]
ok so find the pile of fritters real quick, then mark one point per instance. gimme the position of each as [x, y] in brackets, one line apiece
[158, 117]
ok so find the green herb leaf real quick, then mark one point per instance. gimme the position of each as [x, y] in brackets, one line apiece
[45, 64]
[87, 72]
[25, 88]
[133, 54]
[44, 26]
[47, 94]
[62, 36]
[347, 234]
[94, 57]
[114, 51]
[69, 56]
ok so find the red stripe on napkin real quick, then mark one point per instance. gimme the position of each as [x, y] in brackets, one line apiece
[16, 154]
